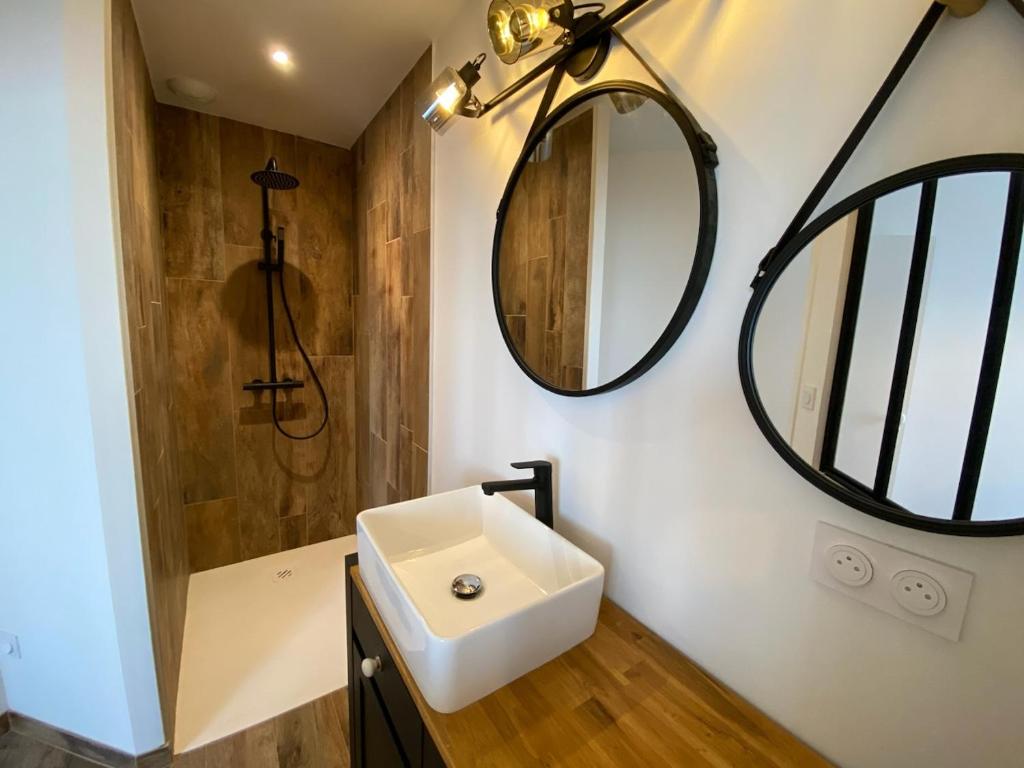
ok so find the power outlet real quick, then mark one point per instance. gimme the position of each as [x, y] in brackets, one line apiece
[848, 565]
[920, 591]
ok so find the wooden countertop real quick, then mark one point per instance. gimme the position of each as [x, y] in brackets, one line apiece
[624, 697]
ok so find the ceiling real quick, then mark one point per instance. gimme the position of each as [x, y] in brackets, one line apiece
[348, 57]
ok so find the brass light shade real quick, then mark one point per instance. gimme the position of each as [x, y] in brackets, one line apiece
[517, 29]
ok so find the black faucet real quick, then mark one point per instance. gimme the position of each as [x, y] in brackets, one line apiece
[540, 483]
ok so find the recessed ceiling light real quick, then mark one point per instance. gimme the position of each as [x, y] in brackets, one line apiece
[281, 57]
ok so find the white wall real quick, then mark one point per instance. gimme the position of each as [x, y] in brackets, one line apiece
[652, 220]
[70, 548]
[705, 532]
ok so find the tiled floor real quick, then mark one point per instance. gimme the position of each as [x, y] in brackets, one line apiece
[313, 736]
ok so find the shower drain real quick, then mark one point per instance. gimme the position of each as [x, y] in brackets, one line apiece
[283, 574]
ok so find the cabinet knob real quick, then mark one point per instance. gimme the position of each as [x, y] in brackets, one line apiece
[370, 667]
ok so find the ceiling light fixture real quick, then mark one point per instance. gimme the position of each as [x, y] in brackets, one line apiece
[282, 59]
[518, 28]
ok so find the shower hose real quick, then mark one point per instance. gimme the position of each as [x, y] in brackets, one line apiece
[305, 359]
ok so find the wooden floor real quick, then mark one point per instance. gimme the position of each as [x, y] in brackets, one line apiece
[313, 736]
[17, 751]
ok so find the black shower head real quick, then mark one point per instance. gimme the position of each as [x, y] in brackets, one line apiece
[271, 178]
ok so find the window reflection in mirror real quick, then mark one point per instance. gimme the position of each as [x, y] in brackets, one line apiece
[599, 240]
[870, 352]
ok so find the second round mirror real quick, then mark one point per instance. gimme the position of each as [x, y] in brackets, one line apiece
[604, 238]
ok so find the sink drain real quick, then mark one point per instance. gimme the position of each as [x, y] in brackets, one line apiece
[283, 574]
[466, 586]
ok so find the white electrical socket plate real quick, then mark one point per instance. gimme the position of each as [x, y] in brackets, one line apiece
[886, 562]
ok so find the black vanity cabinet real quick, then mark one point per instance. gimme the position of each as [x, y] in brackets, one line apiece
[385, 728]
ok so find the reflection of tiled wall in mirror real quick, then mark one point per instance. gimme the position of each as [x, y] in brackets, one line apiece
[544, 255]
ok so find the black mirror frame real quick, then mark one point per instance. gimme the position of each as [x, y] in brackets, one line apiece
[1008, 162]
[704, 159]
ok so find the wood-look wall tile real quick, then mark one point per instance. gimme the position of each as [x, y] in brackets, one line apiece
[545, 301]
[557, 295]
[374, 170]
[420, 479]
[188, 149]
[245, 317]
[393, 167]
[414, 177]
[212, 534]
[258, 521]
[551, 370]
[405, 455]
[513, 259]
[392, 308]
[376, 480]
[516, 325]
[326, 244]
[576, 237]
[572, 377]
[242, 152]
[418, 373]
[201, 379]
[538, 283]
[417, 190]
[362, 396]
[413, 86]
[293, 532]
[392, 343]
[330, 458]
[374, 317]
[147, 220]
[359, 209]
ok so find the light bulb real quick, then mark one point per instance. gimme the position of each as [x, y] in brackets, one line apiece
[448, 99]
[517, 29]
[527, 23]
[450, 94]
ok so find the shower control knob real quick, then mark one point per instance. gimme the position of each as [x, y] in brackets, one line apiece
[370, 667]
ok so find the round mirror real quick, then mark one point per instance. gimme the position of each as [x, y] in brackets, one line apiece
[883, 351]
[604, 238]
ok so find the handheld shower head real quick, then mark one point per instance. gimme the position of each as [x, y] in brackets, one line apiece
[271, 178]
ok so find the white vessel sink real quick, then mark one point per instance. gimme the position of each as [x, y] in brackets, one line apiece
[540, 593]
